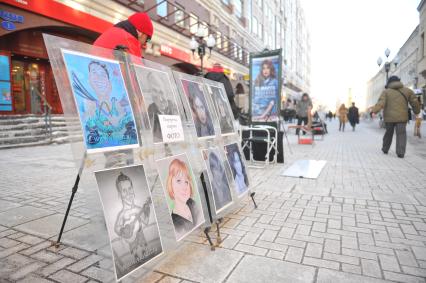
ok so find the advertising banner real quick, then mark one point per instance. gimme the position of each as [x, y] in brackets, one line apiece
[265, 86]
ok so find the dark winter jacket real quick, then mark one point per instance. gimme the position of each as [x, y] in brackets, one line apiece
[353, 115]
[220, 77]
[395, 105]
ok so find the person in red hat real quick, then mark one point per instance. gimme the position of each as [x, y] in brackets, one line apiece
[132, 33]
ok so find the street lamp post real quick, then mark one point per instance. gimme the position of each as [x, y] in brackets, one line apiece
[198, 44]
[388, 64]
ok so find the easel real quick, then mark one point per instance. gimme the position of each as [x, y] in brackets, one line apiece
[282, 127]
[218, 220]
[73, 192]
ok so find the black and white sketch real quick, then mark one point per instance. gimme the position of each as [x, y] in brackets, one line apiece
[218, 180]
[130, 217]
[158, 93]
[201, 114]
[223, 109]
[238, 168]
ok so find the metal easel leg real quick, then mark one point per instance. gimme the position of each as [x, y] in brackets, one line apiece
[252, 198]
[73, 192]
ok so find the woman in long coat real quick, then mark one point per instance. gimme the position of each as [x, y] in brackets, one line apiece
[343, 117]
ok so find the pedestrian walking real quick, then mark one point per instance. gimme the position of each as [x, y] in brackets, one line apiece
[353, 116]
[343, 117]
[217, 74]
[303, 111]
[394, 101]
[289, 111]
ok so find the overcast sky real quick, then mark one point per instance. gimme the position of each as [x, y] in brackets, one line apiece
[347, 37]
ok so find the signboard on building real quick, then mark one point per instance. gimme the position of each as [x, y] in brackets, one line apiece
[9, 19]
[175, 53]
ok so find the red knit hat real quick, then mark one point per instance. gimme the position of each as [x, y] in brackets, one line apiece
[142, 23]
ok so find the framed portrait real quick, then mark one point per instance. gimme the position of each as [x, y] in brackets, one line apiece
[238, 168]
[183, 198]
[158, 93]
[265, 86]
[102, 102]
[130, 218]
[200, 112]
[219, 185]
[222, 108]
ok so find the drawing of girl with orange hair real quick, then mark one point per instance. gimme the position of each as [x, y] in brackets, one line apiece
[186, 212]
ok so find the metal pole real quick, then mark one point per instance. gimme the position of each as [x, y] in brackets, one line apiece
[202, 70]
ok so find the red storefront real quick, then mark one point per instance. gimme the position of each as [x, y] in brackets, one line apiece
[26, 76]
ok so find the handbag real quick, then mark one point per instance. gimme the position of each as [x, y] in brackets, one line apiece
[406, 100]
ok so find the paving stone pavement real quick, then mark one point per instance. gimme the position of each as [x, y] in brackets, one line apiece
[362, 220]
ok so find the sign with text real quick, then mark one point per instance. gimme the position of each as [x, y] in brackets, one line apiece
[265, 86]
[171, 128]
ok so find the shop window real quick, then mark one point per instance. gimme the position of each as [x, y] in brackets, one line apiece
[219, 40]
[225, 45]
[238, 8]
[193, 23]
[162, 8]
[254, 26]
[179, 17]
[5, 86]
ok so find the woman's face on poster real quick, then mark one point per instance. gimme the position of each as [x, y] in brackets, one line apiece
[200, 110]
[237, 163]
[181, 187]
[266, 71]
[98, 80]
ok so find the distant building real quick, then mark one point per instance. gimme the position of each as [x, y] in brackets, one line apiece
[421, 53]
[238, 26]
[403, 65]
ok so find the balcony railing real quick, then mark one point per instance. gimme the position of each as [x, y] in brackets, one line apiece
[228, 47]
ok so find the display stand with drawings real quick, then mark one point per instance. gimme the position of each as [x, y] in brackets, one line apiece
[145, 147]
[202, 103]
[230, 138]
[118, 152]
[173, 154]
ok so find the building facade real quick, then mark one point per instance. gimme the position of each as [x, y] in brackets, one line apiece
[421, 53]
[238, 26]
[404, 65]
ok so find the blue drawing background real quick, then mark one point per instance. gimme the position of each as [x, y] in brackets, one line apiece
[79, 65]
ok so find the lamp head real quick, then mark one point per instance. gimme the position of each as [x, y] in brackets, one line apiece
[193, 44]
[387, 52]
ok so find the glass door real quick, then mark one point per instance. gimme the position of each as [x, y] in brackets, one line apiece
[35, 92]
[18, 86]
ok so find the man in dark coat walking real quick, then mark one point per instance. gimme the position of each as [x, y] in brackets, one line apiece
[353, 116]
[217, 74]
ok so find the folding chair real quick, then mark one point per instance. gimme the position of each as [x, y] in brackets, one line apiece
[261, 134]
